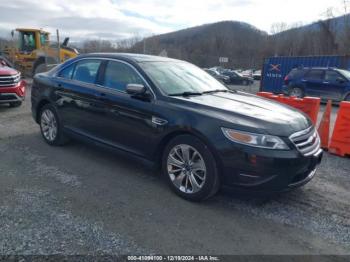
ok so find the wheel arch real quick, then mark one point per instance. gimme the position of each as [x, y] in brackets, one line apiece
[167, 138]
[297, 85]
[347, 94]
[40, 105]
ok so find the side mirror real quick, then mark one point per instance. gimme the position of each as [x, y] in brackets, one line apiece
[135, 89]
[138, 91]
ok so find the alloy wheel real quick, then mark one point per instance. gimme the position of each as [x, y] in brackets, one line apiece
[48, 125]
[297, 92]
[186, 168]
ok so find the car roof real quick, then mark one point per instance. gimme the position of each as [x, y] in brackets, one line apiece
[136, 58]
[316, 68]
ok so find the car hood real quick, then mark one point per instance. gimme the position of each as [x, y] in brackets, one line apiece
[251, 113]
[5, 70]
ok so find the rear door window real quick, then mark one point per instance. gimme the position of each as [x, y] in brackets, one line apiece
[315, 74]
[295, 73]
[118, 75]
[86, 71]
[332, 76]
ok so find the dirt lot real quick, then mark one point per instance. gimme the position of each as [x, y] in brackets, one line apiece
[80, 199]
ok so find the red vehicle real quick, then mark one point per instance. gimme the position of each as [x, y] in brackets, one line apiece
[12, 88]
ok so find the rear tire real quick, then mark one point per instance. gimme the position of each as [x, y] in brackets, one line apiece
[190, 168]
[296, 92]
[16, 104]
[51, 127]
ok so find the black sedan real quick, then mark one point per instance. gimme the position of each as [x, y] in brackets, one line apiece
[238, 79]
[175, 115]
[218, 76]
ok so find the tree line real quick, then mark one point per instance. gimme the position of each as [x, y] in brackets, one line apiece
[243, 44]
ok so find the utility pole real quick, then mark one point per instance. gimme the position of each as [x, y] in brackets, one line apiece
[144, 45]
[345, 6]
[58, 46]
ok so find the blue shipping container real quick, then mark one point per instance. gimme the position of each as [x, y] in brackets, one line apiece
[275, 69]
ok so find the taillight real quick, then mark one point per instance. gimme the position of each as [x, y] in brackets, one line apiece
[286, 80]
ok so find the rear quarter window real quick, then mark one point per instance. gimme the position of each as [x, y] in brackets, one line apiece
[67, 72]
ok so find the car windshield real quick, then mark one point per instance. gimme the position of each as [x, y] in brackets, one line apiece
[238, 74]
[345, 73]
[180, 77]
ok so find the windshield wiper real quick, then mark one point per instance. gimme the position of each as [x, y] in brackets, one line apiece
[187, 93]
[215, 91]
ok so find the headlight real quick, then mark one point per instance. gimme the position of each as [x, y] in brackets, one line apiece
[256, 140]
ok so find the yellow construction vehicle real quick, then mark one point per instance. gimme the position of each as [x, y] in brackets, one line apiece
[32, 51]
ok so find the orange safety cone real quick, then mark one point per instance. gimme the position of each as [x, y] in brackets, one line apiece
[265, 94]
[323, 129]
[340, 141]
[312, 107]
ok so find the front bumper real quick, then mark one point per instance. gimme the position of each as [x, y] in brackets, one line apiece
[268, 170]
[13, 93]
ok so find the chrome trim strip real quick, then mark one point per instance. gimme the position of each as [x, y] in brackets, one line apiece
[312, 148]
[310, 139]
[301, 133]
[11, 100]
[319, 152]
[8, 85]
[308, 178]
[10, 76]
[9, 79]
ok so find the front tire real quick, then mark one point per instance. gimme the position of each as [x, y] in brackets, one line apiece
[50, 126]
[190, 168]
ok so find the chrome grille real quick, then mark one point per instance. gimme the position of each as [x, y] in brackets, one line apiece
[307, 142]
[9, 80]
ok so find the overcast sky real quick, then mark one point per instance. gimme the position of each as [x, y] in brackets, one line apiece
[115, 19]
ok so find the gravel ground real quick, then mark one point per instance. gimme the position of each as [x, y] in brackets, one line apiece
[80, 199]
